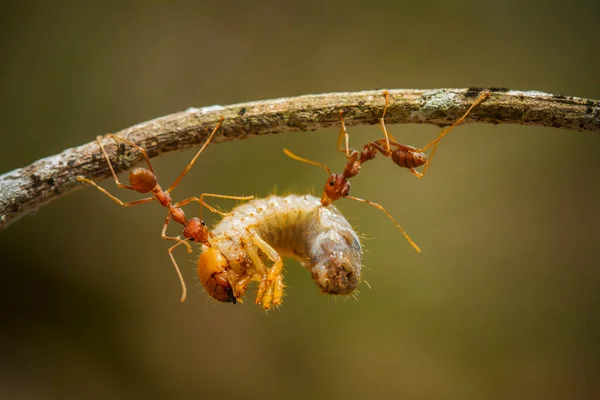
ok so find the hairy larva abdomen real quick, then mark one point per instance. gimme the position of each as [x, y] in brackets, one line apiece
[318, 237]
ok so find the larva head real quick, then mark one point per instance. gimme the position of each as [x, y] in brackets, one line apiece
[212, 268]
[336, 254]
[336, 186]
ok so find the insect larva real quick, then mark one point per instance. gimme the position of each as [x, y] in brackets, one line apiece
[318, 236]
[144, 180]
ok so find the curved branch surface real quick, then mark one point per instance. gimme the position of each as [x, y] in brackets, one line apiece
[24, 190]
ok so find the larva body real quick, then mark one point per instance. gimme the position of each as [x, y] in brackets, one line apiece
[319, 237]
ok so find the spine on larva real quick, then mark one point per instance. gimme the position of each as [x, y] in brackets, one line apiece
[265, 230]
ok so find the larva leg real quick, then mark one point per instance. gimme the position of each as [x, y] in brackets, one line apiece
[240, 287]
[273, 291]
[262, 270]
[278, 290]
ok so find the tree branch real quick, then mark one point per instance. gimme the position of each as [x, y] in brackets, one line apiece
[26, 189]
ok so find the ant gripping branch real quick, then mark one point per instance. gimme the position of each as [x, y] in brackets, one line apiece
[403, 155]
[144, 180]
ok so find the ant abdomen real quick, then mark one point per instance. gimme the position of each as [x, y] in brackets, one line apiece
[142, 180]
[409, 159]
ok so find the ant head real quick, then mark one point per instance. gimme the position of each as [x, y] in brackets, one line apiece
[196, 231]
[142, 180]
[336, 186]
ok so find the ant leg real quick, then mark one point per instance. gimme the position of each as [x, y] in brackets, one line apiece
[413, 244]
[274, 284]
[117, 182]
[343, 133]
[132, 144]
[183, 287]
[483, 96]
[179, 242]
[163, 234]
[379, 145]
[205, 204]
[426, 167]
[387, 135]
[113, 198]
[417, 173]
[189, 166]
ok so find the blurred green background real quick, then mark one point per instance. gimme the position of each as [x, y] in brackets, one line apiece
[502, 303]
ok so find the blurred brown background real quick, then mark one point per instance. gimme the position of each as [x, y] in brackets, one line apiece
[502, 303]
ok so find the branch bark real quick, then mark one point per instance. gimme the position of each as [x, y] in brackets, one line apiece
[24, 190]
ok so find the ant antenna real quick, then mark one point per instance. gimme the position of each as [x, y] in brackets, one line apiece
[380, 207]
[304, 160]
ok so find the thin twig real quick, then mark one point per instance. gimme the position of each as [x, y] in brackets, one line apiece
[26, 189]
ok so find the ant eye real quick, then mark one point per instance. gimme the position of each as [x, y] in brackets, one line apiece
[202, 222]
[331, 183]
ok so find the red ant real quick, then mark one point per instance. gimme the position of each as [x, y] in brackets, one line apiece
[403, 155]
[337, 185]
[144, 180]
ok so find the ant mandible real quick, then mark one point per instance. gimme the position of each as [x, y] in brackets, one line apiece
[144, 180]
